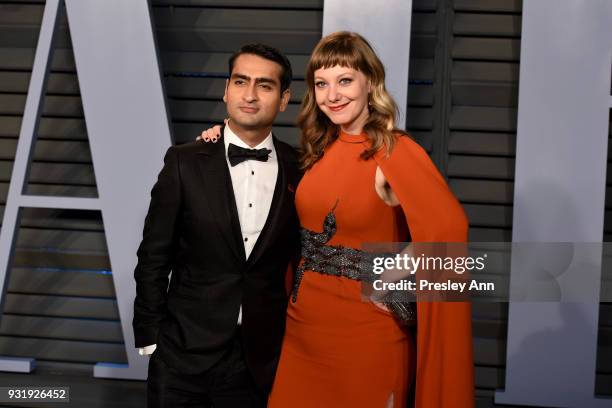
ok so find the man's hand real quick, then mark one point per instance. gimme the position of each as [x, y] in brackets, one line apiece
[148, 350]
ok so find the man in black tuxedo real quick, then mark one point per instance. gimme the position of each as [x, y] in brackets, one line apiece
[222, 219]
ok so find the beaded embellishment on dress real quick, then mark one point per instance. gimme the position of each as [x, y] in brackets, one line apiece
[334, 260]
[352, 263]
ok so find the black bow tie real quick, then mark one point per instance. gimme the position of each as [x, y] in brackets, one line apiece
[237, 154]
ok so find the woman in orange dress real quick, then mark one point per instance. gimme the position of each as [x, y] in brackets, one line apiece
[366, 182]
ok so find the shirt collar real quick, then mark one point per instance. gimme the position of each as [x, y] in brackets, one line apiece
[230, 137]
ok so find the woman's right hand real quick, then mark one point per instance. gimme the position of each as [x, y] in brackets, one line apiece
[212, 134]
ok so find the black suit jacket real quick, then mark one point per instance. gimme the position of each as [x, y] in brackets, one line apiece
[192, 229]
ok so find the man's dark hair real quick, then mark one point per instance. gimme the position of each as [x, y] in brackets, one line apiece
[269, 53]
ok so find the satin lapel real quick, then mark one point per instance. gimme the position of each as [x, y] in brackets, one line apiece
[278, 206]
[220, 195]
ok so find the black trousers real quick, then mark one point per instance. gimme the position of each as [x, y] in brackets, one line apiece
[227, 384]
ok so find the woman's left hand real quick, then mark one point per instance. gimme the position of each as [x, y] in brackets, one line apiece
[383, 189]
[381, 306]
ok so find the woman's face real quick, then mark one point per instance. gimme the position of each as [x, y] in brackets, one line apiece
[342, 94]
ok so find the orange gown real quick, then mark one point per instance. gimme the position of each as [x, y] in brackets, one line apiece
[340, 351]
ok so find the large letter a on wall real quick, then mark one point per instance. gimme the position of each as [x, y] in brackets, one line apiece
[128, 130]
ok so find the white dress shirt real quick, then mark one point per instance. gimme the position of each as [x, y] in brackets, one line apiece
[253, 183]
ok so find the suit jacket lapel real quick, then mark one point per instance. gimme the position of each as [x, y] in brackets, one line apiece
[280, 199]
[220, 195]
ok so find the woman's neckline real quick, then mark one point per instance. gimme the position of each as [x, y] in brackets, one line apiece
[347, 137]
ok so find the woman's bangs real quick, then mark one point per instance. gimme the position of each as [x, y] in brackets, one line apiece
[333, 54]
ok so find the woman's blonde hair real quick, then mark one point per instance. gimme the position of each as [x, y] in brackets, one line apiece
[350, 50]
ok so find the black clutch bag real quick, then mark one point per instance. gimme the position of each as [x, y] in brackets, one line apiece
[403, 311]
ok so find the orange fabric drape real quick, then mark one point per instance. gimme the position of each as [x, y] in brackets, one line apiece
[445, 367]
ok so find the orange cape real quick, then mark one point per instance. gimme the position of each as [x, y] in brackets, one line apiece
[445, 366]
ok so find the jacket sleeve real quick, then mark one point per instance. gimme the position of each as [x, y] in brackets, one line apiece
[156, 251]
[445, 367]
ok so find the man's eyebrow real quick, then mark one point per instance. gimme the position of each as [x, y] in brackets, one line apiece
[265, 80]
[262, 80]
[241, 76]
